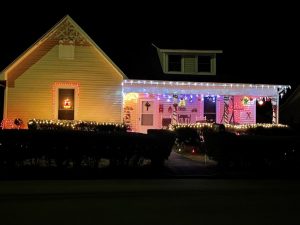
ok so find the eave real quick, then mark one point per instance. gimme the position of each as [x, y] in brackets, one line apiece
[205, 88]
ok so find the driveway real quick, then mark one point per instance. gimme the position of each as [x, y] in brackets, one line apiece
[182, 166]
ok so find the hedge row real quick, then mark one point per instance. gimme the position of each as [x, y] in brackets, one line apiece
[253, 151]
[120, 148]
[37, 124]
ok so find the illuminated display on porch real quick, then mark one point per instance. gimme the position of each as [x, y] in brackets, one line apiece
[194, 102]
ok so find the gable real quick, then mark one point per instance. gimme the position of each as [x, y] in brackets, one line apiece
[63, 33]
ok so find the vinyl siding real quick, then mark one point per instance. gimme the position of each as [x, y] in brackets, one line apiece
[100, 93]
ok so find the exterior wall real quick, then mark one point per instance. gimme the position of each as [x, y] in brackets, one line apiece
[194, 107]
[99, 97]
[243, 114]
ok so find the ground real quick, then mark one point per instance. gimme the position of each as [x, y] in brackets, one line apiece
[151, 201]
[183, 192]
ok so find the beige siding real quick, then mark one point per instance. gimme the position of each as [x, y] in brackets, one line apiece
[100, 93]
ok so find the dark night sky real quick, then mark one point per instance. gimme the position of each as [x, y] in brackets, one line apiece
[259, 41]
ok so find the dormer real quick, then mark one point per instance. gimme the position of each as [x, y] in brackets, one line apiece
[190, 62]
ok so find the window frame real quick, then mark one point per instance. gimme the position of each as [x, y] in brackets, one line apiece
[212, 64]
[181, 63]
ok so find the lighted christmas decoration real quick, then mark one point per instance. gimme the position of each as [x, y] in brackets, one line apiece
[260, 101]
[67, 103]
[226, 110]
[274, 110]
[200, 88]
[240, 127]
[175, 104]
[131, 96]
[182, 102]
[72, 125]
[127, 117]
[56, 86]
[245, 100]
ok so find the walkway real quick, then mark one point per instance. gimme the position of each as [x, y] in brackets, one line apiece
[183, 167]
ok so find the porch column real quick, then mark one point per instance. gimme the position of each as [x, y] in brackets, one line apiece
[174, 114]
[226, 110]
[275, 110]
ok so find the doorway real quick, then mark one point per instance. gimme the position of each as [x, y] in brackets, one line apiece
[210, 109]
[147, 118]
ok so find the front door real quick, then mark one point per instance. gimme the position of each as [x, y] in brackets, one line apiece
[147, 116]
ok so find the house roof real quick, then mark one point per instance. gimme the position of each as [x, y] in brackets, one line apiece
[50, 33]
[137, 58]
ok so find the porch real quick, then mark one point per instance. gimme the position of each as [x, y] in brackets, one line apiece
[157, 104]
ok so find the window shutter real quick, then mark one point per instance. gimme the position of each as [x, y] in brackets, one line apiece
[189, 64]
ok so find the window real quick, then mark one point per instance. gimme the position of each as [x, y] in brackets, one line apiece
[174, 63]
[204, 63]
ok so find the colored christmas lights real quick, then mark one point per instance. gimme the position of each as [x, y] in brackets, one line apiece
[156, 87]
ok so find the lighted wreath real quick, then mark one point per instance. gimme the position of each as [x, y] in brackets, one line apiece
[245, 100]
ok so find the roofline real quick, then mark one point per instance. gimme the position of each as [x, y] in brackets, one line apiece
[48, 33]
[191, 51]
[280, 88]
[98, 48]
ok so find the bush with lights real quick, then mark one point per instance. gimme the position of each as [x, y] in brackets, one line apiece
[36, 124]
[82, 144]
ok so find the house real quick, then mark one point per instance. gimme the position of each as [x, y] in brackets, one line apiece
[65, 75]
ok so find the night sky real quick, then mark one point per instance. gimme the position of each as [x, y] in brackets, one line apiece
[259, 41]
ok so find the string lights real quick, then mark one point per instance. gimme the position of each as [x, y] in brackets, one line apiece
[70, 124]
[180, 87]
[239, 127]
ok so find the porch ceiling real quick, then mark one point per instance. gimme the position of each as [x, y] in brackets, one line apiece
[174, 87]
